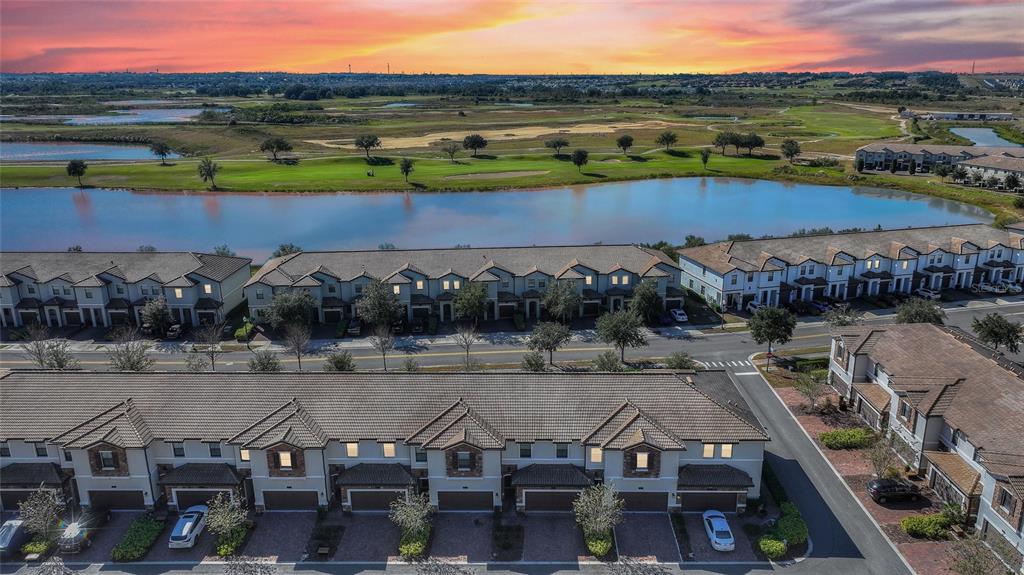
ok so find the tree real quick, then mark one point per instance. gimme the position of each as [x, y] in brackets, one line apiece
[970, 556]
[1011, 182]
[647, 303]
[608, 361]
[471, 301]
[265, 361]
[383, 341]
[624, 143]
[405, 166]
[667, 139]
[557, 144]
[53, 565]
[465, 336]
[208, 170]
[129, 352]
[705, 155]
[285, 250]
[224, 250]
[860, 165]
[339, 361]
[49, 353]
[995, 330]
[225, 513]
[942, 171]
[881, 456]
[580, 159]
[367, 142]
[548, 336]
[379, 306]
[76, 169]
[77, 248]
[843, 315]
[917, 310]
[621, 329]
[598, 509]
[412, 514]
[275, 146]
[692, 241]
[146, 249]
[296, 341]
[474, 142]
[722, 141]
[291, 308]
[208, 344]
[244, 565]
[409, 364]
[812, 387]
[451, 149]
[157, 315]
[195, 362]
[751, 141]
[562, 301]
[790, 149]
[771, 325]
[533, 361]
[959, 174]
[160, 150]
[41, 512]
[681, 361]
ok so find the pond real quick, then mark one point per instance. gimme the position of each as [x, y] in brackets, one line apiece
[138, 116]
[60, 151]
[983, 137]
[640, 211]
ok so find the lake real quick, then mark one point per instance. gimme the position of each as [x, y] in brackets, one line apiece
[138, 116]
[983, 137]
[640, 211]
[60, 151]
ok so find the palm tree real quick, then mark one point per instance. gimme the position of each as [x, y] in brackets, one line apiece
[208, 172]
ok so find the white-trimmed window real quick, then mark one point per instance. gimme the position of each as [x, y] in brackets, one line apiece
[178, 294]
[5, 449]
[352, 449]
[625, 280]
[561, 450]
[642, 460]
[419, 284]
[389, 449]
[615, 280]
[709, 450]
[397, 289]
[596, 455]
[284, 459]
[259, 294]
[107, 460]
[214, 449]
[1005, 499]
[207, 289]
[446, 284]
[178, 449]
[590, 280]
[457, 284]
[41, 449]
[243, 454]
[726, 451]
[421, 455]
[464, 460]
[525, 450]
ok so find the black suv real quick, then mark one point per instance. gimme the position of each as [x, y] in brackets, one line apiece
[884, 490]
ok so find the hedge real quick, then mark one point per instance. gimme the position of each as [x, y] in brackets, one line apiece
[413, 544]
[37, 545]
[932, 526]
[137, 540]
[852, 438]
[230, 543]
[772, 547]
[599, 545]
[806, 365]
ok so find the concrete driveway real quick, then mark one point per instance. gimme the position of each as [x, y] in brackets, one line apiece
[465, 536]
[368, 537]
[647, 536]
[105, 539]
[551, 537]
[701, 545]
[280, 536]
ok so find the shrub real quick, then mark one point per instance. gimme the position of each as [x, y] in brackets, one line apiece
[852, 438]
[342, 330]
[772, 547]
[1018, 202]
[137, 540]
[599, 545]
[244, 333]
[932, 526]
[808, 365]
[413, 544]
[37, 545]
[520, 321]
[229, 544]
[792, 527]
[681, 360]
[608, 361]
[432, 325]
[534, 361]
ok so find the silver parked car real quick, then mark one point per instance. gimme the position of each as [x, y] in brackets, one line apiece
[188, 528]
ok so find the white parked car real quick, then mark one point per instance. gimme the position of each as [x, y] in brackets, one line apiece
[927, 293]
[753, 306]
[680, 316]
[991, 288]
[189, 526]
[717, 528]
[1011, 287]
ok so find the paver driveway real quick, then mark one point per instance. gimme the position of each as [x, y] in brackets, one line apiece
[701, 545]
[203, 549]
[551, 537]
[647, 536]
[462, 536]
[281, 536]
[370, 537]
[104, 539]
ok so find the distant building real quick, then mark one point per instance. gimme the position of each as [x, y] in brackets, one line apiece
[998, 166]
[967, 116]
[882, 155]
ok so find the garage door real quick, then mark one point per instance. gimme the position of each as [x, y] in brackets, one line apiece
[10, 498]
[550, 500]
[187, 498]
[376, 500]
[645, 501]
[117, 500]
[276, 500]
[332, 316]
[465, 500]
[725, 502]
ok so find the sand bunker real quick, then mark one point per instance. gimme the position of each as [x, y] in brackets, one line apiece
[526, 132]
[498, 175]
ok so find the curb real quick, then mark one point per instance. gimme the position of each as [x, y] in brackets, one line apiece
[836, 472]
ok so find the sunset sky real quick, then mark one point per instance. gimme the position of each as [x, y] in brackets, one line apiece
[510, 36]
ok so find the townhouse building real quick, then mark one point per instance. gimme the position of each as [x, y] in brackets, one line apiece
[775, 271]
[61, 289]
[427, 281]
[360, 440]
[882, 155]
[998, 166]
[955, 410]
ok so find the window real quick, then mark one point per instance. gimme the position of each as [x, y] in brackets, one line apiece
[732, 280]
[525, 450]
[88, 293]
[531, 283]
[179, 449]
[330, 288]
[726, 451]
[464, 460]
[243, 454]
[178, 293]
[904, 410]
[214, 449]
[120, 289]
[284, 459]
[456, 284]
[67, 456]
[56, 291]
[40, 449]
[207, 289]
[107, 460]
[709, 450]
[596, 455]
[389, 449]
[397, 289]
[259, 294]
[542, 283]
[421, 455]
[351, 449]
[590, 280]
[625, 280]
[750, 278]
[31, 289]
[615, 280]
[642, 459]
[446, 284]
[5, 450]
[67, 291]
[904, 264]
[419, 284]
[358, 289]
[771, 276]
[505, 283]
[562, 450]
[1005, 499]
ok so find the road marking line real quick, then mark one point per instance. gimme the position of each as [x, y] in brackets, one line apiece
[746, 373]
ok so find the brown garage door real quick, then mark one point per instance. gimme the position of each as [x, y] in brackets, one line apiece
[724, 502]
[376, 500]
[290, 500]
[332, 315]
[187, 498]
[10, 498]
[465, 501]
[117, 500]
[645, 501]
[550, 500]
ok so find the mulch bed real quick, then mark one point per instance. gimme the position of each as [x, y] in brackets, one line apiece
[679, 528]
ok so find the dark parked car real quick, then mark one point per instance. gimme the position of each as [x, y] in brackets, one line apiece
[13, 535]
[78, 534]
[418, 325]
[355, 326]
[885, 490]
[398, 326]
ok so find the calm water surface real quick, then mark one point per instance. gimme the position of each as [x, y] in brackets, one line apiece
[53, 151]
[642, 211]
[983, 137]
[139, 116]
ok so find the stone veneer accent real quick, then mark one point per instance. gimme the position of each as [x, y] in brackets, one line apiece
[653, 462]
[298, 461]
[1014, 515]
[120, 461]
[476, 461]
